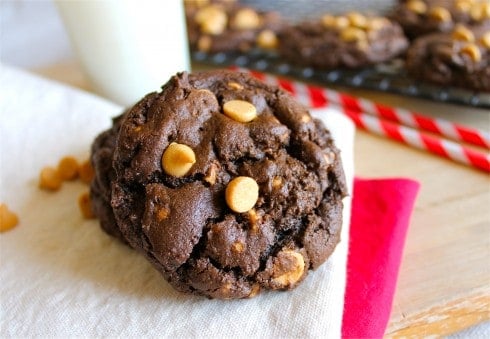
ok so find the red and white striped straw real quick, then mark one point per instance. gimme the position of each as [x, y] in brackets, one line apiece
[315, 96]
[418, 139]
[395, 123]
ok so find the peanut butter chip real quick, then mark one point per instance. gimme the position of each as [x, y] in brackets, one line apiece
[68, 168]
[246, 18]
[86, 172]
[287, 274]
[8, 219]
[341, 22]
[463, 6]
[238, 246]
[235, 85]
[485, 40]
[462, 33]
[212, 20]
[357, 20]
[353, 34]
[239, 110]
[241, 194]
[417, 6]
[178, 159]
[472, 51]
[85, 206]
[49, 179]
[440, 14]
[267, 39]
[329, 21]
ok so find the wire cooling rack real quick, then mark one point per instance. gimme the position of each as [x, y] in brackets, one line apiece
[388, 77]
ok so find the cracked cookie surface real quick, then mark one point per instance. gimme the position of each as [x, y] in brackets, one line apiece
[184, 224]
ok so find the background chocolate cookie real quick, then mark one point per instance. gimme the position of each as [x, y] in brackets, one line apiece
[227, 185]
[458, 58]
[419, 17]
[352, 40]
[226, 26]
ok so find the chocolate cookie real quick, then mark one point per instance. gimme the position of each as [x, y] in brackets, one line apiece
[225, 26]
[226, 184]
[352, 40]
[458, 58]
[419, 17]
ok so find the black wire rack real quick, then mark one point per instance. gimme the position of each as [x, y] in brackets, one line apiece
[388, 77]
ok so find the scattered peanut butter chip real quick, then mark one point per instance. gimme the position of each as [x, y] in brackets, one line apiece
[85, 206]
[239, 110]
[68, 168]
[49, 179]
[241, 194]
[178, 159]
[8, 219]
[86, 172]
[289, 268]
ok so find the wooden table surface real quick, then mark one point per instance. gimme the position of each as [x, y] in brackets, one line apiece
[444, 281]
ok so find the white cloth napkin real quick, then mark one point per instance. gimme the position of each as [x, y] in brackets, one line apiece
[60, 275]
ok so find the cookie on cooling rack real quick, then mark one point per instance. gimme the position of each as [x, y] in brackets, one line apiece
[352, 40]
[227, 185]
[420, 17]
[226, 26]
[458, 58]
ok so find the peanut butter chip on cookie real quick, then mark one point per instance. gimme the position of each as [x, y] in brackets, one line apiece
[241, 194]
[246, 18]
[485, 40]
[417, 6]
[239, 110]
[289, 268]
[440, 14]
[178, 159]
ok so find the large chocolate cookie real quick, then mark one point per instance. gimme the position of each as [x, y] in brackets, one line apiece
[352, 40]
[420, 17]
[227, 185]
[458, 58]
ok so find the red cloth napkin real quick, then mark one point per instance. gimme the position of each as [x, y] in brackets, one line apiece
[381, 210]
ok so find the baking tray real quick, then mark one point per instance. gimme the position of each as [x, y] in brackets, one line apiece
[386, 77]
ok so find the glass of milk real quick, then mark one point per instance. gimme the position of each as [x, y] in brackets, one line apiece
[128, 48]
